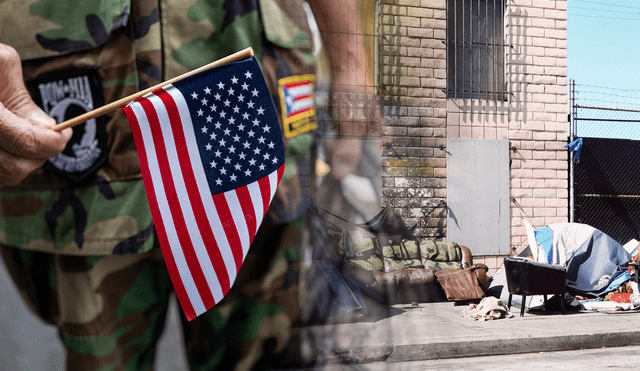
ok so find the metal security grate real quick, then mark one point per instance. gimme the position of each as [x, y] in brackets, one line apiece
[607, 187]
[475, 49]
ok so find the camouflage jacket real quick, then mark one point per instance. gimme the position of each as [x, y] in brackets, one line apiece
[78, 55]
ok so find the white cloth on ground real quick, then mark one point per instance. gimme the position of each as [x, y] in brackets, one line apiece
[489, 308]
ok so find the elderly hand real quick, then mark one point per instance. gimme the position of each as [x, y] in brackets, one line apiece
[26, 142]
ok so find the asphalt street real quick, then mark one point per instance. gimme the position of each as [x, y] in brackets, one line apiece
[619, 358]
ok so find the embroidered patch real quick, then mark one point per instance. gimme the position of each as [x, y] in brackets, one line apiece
[66, 95]
[297, 100]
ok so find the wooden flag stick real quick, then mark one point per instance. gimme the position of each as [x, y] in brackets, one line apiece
[242, 54]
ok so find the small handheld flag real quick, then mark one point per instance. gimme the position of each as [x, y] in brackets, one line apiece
[211, 155]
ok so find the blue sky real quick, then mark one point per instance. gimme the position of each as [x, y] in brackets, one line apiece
[604, 51]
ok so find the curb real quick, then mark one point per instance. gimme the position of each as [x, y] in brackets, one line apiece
[482, 347]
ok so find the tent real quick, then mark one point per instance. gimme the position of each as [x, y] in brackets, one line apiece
[594, 261]
[596, 265]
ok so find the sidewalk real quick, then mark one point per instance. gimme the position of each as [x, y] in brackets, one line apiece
[402, 333]
[438, 331]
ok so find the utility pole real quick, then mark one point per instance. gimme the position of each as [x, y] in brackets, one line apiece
[572, 133]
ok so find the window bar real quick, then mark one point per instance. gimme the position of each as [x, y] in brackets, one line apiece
[471, 32]
[455, 50]
[491, 47]
[475, 28]
[501, 32]
[493, 52]
[486, 48]
[464, 55]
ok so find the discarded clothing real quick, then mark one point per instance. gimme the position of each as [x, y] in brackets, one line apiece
[576, 148]
[489, 308]
[608, 306]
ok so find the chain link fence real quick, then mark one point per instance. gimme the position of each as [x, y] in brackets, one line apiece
[605, 178]
[606, 122]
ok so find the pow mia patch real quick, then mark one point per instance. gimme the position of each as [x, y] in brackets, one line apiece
[298, 103]
[64, 96]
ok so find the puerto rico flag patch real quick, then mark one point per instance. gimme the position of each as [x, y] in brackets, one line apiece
[297, 99]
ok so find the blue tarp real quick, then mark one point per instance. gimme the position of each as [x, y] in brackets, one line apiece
[596, 264]
[544, 237]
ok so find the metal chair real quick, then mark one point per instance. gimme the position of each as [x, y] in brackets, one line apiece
[527, 277]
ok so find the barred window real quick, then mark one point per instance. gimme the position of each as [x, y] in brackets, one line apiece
[475, 49]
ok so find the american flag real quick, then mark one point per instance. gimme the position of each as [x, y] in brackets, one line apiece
[212, 155]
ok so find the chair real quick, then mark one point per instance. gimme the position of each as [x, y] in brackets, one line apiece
[528, 277]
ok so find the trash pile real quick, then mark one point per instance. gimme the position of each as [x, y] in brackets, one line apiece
[600, 272]
[379, 262]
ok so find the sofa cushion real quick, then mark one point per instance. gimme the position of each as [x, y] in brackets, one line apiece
[404, 254]
[436, 266]
[373, 263]
[356, 242]
[440, 251]
[409, 276]
[361, 250]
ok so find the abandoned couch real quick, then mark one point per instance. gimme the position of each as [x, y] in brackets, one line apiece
[396, 270]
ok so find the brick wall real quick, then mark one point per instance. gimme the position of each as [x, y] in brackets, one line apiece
[412, 76]
[419, 118]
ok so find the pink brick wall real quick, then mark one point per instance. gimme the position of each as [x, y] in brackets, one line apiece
[420, 118]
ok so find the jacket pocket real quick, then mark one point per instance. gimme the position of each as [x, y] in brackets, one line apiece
[47, 29]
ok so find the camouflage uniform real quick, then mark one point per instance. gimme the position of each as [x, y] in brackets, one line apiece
[77, 235]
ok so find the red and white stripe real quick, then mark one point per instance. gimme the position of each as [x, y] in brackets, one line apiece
[204, 237]
[302, 93]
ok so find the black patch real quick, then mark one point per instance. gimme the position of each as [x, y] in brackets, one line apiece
[66, 95]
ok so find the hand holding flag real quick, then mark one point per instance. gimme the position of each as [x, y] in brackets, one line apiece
[211, 155]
